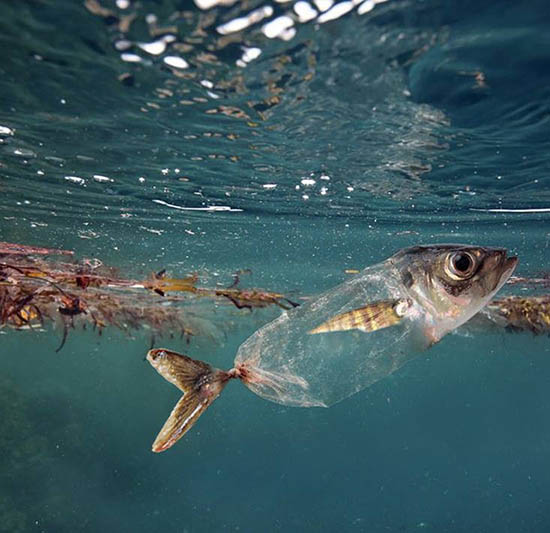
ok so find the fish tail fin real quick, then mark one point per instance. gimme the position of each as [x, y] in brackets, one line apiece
[376, 315]
[201, 385]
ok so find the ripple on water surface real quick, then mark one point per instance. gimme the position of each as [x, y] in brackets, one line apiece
[376, 109]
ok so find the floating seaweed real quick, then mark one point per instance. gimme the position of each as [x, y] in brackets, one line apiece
[514, 314]
[36, 291]
[541, 281]
[43, 286]
[8, 248]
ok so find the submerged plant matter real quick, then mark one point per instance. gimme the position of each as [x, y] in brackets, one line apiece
[36, 290]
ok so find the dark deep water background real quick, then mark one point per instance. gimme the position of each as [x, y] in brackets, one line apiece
[414, 122]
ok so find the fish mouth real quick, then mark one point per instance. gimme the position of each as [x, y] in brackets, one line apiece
[498, 268]
[510, 264]
[155, 353]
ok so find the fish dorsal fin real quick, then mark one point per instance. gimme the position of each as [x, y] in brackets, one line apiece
[377, 315]
[201, 385]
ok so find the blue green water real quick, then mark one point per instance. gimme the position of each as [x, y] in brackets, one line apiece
[409, 123]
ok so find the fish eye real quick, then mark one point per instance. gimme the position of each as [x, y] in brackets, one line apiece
[460, 265]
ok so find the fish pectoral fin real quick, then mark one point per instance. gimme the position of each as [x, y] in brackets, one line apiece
[182, 418]
[377, 315]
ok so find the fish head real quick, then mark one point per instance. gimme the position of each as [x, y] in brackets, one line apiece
[452, 282]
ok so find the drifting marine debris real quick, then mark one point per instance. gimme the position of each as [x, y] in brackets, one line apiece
[514, 314]
[542, 281]
[318, 353]
[36, 290]
[9, 248]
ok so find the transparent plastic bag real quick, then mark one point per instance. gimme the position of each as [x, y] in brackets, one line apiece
[292, 366]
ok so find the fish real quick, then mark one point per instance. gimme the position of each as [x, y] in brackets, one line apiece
[332, 346]
[444, 284]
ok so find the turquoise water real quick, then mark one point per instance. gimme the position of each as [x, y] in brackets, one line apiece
[297, 157]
